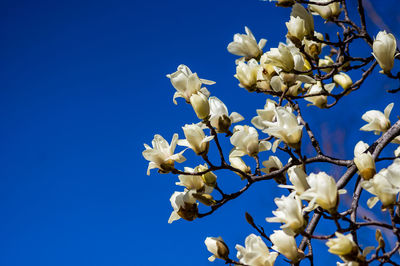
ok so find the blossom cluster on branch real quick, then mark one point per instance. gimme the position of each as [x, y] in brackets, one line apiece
[310, 67]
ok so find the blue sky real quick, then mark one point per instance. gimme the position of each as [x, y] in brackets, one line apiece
[83, 86]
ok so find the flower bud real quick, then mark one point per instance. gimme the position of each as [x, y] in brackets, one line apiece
[364, 161]
[217, 247]
[200, 105]
[246, 45]
[238, 163]
[195, 139]
[384, 48]
[296, 28]
[247, 74]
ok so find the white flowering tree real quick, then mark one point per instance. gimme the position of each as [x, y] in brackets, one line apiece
[308, 67]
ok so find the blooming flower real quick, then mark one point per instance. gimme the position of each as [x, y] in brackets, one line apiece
[289, 213]
[322, 192]
[296, 28]
[245, 140]
[195, 139]
[300, 12]
[274, 164]
[326, 11]
[364, 161]
[217, 247]
[266, 114]
[281, 57]
[384, 50]
[314, 48]
[219, 116]
[384, 185]
[196, 182]
[255, 252]
[246, 45]
[247, 74]
[286, 245]
[320, 100]
[298, 178]
[377, 121]
[162, 154]
[184, 205]
[187, 83]
[342, 245]
[286, 127]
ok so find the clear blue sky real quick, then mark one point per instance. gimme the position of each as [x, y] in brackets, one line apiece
[83, 86]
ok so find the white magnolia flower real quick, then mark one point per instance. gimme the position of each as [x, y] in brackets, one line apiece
[197, 183]
[300, 12]
[266, 114]
[326, 11]
[321, 100]
[245, 140]
[326, 62]
[217, 247]
[343, 80]
[187, 83]
[286, 127]
[342, 245]
[184, 205]
[246, 45]
[195, 139]
[289, 83]
[238, 163]
[255, 252]
[200, 105]
[298, 178]
[272, 164]
[289, 213]
[286, 245]
[247, 73]
[219, 116]
[280, 57]
[322, 192]
[314, 48]
[384, 48]
[162, 154]
[384, 185]
[377, 121]
[296, 28]
[364, 161]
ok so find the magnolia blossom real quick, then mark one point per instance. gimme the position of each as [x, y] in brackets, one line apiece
[162, 154]
[322, 192]
[314, 48]
[281, 57]
[384, 185]
[187, 83]
[326, 11]
[300, 12]
[196, 182]
[296, 28]
[298, 178]
[255, 252]
[274, 164]
[247, 73]
[266, 114]
[343, 80]
[219, 116]
[342, 245]
[238, 163]
[286, 245]
[217, 247]
[384, 48]
[320, 100]
[364, 161]
[195, 139]
[286, 127]
[184, 205]
[246, 45]
[377, 121]
[289, 83]
[289, 213]
[245, 140]
[326, 62]
[200, 105]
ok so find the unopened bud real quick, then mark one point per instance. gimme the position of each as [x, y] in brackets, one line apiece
[200, 105]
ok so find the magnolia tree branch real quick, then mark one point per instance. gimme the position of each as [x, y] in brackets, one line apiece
[300, 71]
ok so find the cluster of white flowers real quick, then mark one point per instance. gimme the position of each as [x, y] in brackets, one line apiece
[295, 70]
